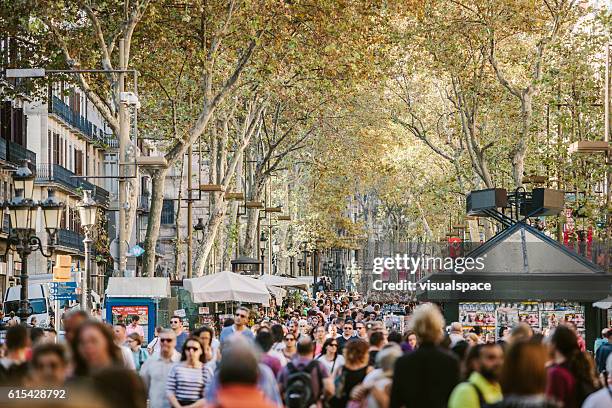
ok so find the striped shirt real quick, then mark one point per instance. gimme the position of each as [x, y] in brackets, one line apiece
[186, 383]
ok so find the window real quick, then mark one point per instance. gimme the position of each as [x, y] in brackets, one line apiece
[167, 215]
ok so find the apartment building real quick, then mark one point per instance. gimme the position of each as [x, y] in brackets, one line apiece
[75, 151]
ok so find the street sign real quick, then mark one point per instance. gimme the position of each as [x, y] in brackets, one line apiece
[62, 291]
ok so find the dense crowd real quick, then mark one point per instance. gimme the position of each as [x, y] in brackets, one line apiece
[333, 352]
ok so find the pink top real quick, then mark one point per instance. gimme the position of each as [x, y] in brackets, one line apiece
[138, 329]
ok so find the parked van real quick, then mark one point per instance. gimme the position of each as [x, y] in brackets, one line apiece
[38, 296]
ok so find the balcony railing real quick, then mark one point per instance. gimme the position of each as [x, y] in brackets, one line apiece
[16, 154]
[54, 173]
[70, 239]
[6, 223]
[77, 121]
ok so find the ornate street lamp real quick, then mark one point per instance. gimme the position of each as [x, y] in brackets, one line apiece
[199, 229]
[88, 209]
[22, 211]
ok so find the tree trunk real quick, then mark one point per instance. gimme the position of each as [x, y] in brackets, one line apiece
[158, 178]
[250, 236]
[178, 240]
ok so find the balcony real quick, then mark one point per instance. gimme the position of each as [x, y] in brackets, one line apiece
[16, 154]
[80, 123]
[54, 173]
[6, 224]
[70, 239]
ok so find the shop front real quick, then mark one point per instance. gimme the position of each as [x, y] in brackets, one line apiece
[530, 278]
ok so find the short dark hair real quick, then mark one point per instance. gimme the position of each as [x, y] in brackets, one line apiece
[203, 329]
[49, 348]
[394, 337]
[16, 337]
[305, 346]
[377, 338]
[36, 333]
[121, 325]
[277, 332]
[238, 366]
[135, 318]
[265, 340]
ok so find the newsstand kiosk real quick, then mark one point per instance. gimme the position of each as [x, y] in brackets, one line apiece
[533, 278]
[128, 297]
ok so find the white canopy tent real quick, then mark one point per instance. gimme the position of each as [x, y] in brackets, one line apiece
[283, 282]
[227, 287]
[278, 293]
[138, 287]
[604, 303]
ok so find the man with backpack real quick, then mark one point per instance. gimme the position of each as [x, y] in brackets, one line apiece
[305, 382]
[482, 386]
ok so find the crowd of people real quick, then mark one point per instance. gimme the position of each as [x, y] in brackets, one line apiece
[335, 352]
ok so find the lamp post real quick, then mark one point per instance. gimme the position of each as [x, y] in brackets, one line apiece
[262, 249]
[88, 210]
[199, 236]
[22, 211]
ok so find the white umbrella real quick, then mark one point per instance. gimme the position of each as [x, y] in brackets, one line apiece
[278, 293]
[604, 303]
[283, 282]
[227, 287]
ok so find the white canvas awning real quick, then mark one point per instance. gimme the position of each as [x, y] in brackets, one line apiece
[283, 282]
[138, 287]
[604, 303]
[278, 293]
[227, 287]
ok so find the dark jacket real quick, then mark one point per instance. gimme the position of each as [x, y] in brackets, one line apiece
[424, 378]
[602, 356]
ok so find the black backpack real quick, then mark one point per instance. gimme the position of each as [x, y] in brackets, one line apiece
[298, 392]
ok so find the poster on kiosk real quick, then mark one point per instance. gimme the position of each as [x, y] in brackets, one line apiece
[130, 297]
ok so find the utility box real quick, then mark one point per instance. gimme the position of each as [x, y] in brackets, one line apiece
[477, 202]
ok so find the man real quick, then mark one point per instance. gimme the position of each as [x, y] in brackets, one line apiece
[482, 387]
[377, 341]
[603, 352]
[293, 328]
[120, 338]
[601, 340]
[50, 366]
[154, 371]
[426, 377]
[347, 334]
[13, 367]
[456, 333]
[241, 318]
[135, 327]
[361, 330]
[238, 378]
[266, 382]
[181, 336]
[72, 320]
[321, 385]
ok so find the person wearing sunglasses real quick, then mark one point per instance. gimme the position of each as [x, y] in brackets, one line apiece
[330, 357]
[181, 335]
[241, 320]
[188, 379]
[290, 346]
[154, 371]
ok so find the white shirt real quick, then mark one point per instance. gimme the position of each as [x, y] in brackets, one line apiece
[154, 373]
[331, 365]
[128, 359]
[154, 346]
[599, 399]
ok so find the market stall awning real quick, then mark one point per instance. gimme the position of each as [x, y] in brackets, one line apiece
[283, 282]
[278, 293]
[138, 287]
[227, 287]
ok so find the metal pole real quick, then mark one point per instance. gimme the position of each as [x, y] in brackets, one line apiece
[189, 215]
[85, 290]
[23, 279]
[270, 246]
[607, 92]
[123, 140]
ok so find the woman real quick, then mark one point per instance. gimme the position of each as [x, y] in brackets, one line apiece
[472, 339]
[188, 379]
[154, 345]
[572, 377]
[523, 377]
[318, 335]
[329, 356]
[277, 336]
[353, 372]
[410, 342]
[290, 346]
[94, 349]
[139, 354]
